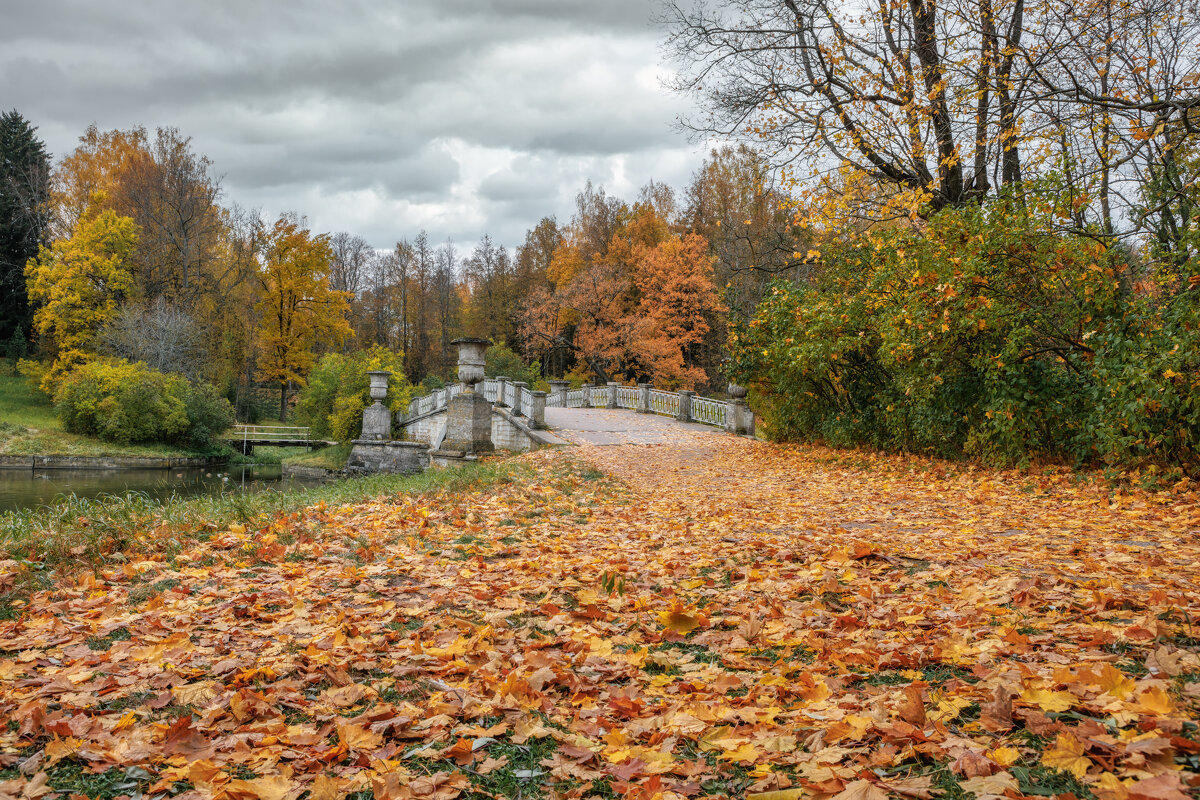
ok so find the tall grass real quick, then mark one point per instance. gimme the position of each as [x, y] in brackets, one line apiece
[78, 531]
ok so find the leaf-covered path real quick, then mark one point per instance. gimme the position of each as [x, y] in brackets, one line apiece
[705, 616]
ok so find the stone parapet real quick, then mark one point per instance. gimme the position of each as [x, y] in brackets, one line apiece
[370, 456]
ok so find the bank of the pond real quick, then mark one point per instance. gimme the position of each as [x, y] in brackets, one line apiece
[80, 531]
[31, 437]
[328, 462]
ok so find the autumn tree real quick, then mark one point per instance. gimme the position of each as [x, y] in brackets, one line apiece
[168, 190]
[191, 251]
[677, 309]
[24, 196]
[489, 274]
[79, 284]
[944, 104]
[638, 304]
[298, 309]
[92, 173]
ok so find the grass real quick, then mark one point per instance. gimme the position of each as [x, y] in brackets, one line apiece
[80, 531]
[326, 458]
[29, 426]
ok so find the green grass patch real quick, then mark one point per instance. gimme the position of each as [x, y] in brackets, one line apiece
[21, 404]
[105, 642]
[141, 594]
[332, 458]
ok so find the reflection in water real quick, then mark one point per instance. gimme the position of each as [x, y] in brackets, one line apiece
[23, 488]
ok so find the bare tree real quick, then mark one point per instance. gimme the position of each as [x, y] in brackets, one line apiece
[351, 256]
[159, 335]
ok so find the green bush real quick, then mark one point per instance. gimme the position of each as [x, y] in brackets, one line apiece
[129, 403]
[500, 360]
[988, 333]
[209, 415]
[338, 390]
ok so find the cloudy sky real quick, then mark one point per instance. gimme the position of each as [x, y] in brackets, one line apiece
[379, 117]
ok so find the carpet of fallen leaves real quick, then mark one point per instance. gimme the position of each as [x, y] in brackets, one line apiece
[711, 617]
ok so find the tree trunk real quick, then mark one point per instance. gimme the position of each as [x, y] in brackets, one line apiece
[283, 401]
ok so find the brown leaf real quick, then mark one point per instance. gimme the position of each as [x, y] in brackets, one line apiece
[912, 707]
[861, 790]
[996, 715]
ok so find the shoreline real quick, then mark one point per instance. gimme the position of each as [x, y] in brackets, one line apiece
[40, 462]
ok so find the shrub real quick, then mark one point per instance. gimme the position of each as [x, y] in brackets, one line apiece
[209, 415]
[500, 360]
[987, 333]
[338, 390]
[128, 403]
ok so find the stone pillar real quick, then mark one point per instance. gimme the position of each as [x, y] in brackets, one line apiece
[685, 405]
[643, 401]
[519, 389]
[612, 394]
[377, 419]
[587, 396]
[739, 419]
[537, 415]
[501, 383]
[558, 393]
[469, 415]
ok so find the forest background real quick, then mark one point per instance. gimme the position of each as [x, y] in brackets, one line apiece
[968, 230]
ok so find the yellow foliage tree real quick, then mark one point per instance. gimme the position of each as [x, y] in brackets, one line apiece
[297, 307]
[79, 284]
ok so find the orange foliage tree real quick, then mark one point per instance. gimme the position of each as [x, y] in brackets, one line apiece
[632, 297]
[677, 302]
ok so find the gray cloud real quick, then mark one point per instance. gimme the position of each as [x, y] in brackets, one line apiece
[458, 116]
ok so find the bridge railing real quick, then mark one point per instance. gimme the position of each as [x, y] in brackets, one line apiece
[665, 403]
[733, 415]
[269, 433]
[708, 412]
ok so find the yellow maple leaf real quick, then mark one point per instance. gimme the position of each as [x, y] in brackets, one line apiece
[1048, 700]
[1155, 701]
[679, 622]
[1004, 756]
[1067, 755]
[781, 794]
[744, 754]
[1110, 787]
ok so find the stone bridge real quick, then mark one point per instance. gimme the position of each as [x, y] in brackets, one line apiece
[478, 415]
[523, 419]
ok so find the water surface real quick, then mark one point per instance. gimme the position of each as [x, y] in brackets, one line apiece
[24, 488]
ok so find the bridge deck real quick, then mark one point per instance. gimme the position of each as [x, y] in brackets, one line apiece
[601, 426]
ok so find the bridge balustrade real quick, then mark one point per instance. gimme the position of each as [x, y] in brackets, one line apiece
[708, 412]
[665, 403]
[524, 402]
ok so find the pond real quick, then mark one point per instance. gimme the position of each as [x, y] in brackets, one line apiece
[23, 488]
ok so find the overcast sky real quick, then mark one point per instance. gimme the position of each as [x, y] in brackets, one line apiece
[379, 117]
